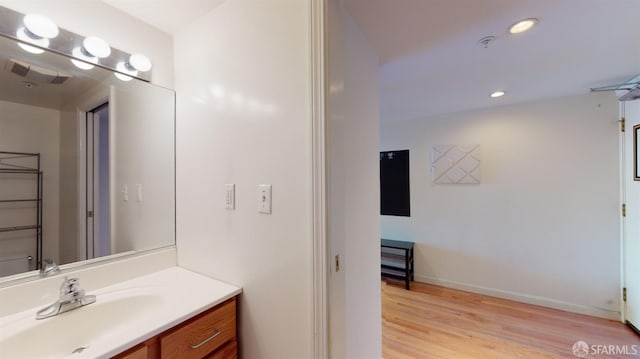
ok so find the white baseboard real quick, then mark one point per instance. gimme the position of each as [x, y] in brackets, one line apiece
[523, 298]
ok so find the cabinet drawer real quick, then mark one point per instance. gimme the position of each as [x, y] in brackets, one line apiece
[202, 335]
[228, 351]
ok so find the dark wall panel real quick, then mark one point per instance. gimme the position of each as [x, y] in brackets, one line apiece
[394, 183]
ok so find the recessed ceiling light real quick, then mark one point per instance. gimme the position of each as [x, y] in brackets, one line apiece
[522, 25]
[497, 94]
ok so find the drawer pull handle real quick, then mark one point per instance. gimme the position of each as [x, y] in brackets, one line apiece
[206, 340]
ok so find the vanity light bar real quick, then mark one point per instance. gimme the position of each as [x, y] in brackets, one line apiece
[66, 42]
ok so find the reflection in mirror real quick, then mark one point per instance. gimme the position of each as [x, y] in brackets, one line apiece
[86, 162]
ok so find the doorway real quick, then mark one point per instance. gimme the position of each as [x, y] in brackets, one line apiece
[96, 182]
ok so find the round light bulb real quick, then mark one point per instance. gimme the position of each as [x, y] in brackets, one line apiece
[81, 60]
[497, 94]
[124, 69]
[22, 36]
[140, 62]
[96, 46]
[41, 26]
[522, 26]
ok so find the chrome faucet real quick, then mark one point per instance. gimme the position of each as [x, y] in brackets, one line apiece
[71, 297]
[49, 268]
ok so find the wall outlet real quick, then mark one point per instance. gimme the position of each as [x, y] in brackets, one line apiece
[230, 196]
[264, 198]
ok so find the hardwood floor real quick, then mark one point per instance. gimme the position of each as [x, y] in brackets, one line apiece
[436, 322]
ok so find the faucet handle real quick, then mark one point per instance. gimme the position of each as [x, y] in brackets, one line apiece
[69, 285]
[69, 290]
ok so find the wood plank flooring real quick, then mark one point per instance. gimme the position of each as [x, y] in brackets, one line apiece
[436, 322]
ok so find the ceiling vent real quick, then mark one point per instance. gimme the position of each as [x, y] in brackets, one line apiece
[35, 73]
[627, 91]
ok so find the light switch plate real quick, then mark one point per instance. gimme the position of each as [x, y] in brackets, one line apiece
[264, 198]
[230, 196]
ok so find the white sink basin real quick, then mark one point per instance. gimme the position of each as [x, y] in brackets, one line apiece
[71, 333]
[123, 315]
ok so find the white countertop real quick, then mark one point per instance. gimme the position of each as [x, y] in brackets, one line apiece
[124, 315]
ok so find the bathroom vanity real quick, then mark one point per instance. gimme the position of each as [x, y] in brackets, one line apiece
[171, 313]
[211, 334]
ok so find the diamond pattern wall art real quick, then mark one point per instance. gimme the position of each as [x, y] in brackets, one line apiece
[455, 164]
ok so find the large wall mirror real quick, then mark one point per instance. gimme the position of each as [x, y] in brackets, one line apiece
[87, 162]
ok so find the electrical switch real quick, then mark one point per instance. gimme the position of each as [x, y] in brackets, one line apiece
[230, 196]
[264, 198]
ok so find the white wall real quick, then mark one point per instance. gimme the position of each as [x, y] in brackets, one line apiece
[353, 190]
[120, 30]
[244, 117]
[543, 226]
[142, 153]
[31, 129]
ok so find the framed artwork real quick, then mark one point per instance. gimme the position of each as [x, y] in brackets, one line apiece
[636, 163]
[455, 164]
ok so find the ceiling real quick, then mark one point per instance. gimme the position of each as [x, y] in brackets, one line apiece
[35, 92]
[166, 15]
[430, 60]
[431, 63]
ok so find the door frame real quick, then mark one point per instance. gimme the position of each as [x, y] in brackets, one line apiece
[319, 250]
[92, 185]
[91, 102]
[623, 200]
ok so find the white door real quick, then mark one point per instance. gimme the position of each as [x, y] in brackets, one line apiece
[631, 240]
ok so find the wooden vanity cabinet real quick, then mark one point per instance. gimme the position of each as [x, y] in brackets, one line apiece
[210, 335]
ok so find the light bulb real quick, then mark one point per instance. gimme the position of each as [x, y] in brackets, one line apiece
[126, 69]
[140, 62]
[85, 64]
[96, 46]
[22, 35]
[41, 26]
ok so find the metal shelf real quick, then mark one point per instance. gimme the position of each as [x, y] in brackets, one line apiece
[19, 200]
[18, 228]
[18, 163]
